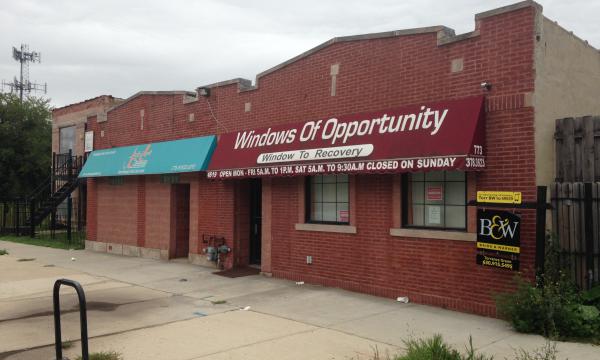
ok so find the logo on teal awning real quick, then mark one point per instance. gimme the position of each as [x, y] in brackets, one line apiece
[138, 160]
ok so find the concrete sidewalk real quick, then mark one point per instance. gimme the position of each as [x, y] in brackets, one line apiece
[148, 309]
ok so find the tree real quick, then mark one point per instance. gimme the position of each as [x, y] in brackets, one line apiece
[25, 144]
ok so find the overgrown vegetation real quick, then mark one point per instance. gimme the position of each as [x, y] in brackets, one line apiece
[3, 252]
[108, 355]
[59, 242]
[25, 144]
[554, 306]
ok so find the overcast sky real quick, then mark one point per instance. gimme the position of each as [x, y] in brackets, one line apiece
[119, 47]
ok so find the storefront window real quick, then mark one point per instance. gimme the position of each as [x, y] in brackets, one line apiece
[435, 199]
[327, 199]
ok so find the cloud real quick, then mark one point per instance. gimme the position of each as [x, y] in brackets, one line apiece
[121, 47]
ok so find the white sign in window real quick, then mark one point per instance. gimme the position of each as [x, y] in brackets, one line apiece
[434, 215]
[89, 141]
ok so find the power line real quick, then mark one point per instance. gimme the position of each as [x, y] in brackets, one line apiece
[23, 85]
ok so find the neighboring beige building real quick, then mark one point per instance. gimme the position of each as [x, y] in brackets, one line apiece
[69, 122]
[567, 84]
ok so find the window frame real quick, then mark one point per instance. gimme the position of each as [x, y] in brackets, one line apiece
[308, 201]
[405, 205]
[61, 137]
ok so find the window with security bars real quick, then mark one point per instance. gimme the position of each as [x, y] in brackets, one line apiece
[327, 199]
[436, 199]
[169, 178]
[116, 180]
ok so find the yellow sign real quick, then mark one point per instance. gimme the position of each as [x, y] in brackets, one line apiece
[499, 197]
[498, 247]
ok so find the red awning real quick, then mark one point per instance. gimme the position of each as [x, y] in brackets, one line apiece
[423, 137]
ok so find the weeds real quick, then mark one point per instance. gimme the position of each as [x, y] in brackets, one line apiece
[434, 348]
[546, 352]
[108, 355]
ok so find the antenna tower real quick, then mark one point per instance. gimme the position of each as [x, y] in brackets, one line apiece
[23, 85]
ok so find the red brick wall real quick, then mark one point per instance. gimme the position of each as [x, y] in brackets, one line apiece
[84, 105]
[117, 212]
[216, 215]
[141, 211]
[158, 213]
[374, 74]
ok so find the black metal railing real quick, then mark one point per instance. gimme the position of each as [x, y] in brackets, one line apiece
[13, 216]
[52, 210]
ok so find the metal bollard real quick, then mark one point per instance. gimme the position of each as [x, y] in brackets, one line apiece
[82, 317]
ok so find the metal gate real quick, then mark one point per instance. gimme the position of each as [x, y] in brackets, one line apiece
[576, 222]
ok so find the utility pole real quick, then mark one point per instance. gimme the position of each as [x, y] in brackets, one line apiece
[23, 85]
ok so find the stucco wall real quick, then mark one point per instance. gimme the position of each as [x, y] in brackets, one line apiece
[567, 84]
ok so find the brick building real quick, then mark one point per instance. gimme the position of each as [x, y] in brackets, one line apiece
[390, 230]
[69, 123]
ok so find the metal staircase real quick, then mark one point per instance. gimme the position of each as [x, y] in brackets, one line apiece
[56, 189]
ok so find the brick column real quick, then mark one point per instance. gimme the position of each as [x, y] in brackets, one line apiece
[92, 209]
[265, 255]
[141, 211]
[194, 214]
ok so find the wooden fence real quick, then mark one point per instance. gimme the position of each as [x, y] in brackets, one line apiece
[576, 222]
[578, 149]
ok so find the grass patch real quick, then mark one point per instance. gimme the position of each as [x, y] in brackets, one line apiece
[104, 355]
[3, 252]
[60, 242]
[26, 259]
[219, 302]
[67, 344]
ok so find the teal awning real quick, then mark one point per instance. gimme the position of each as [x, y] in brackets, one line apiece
[166, 157]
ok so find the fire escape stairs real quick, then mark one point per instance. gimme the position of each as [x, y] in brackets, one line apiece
[46, 205]
[56, 189]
